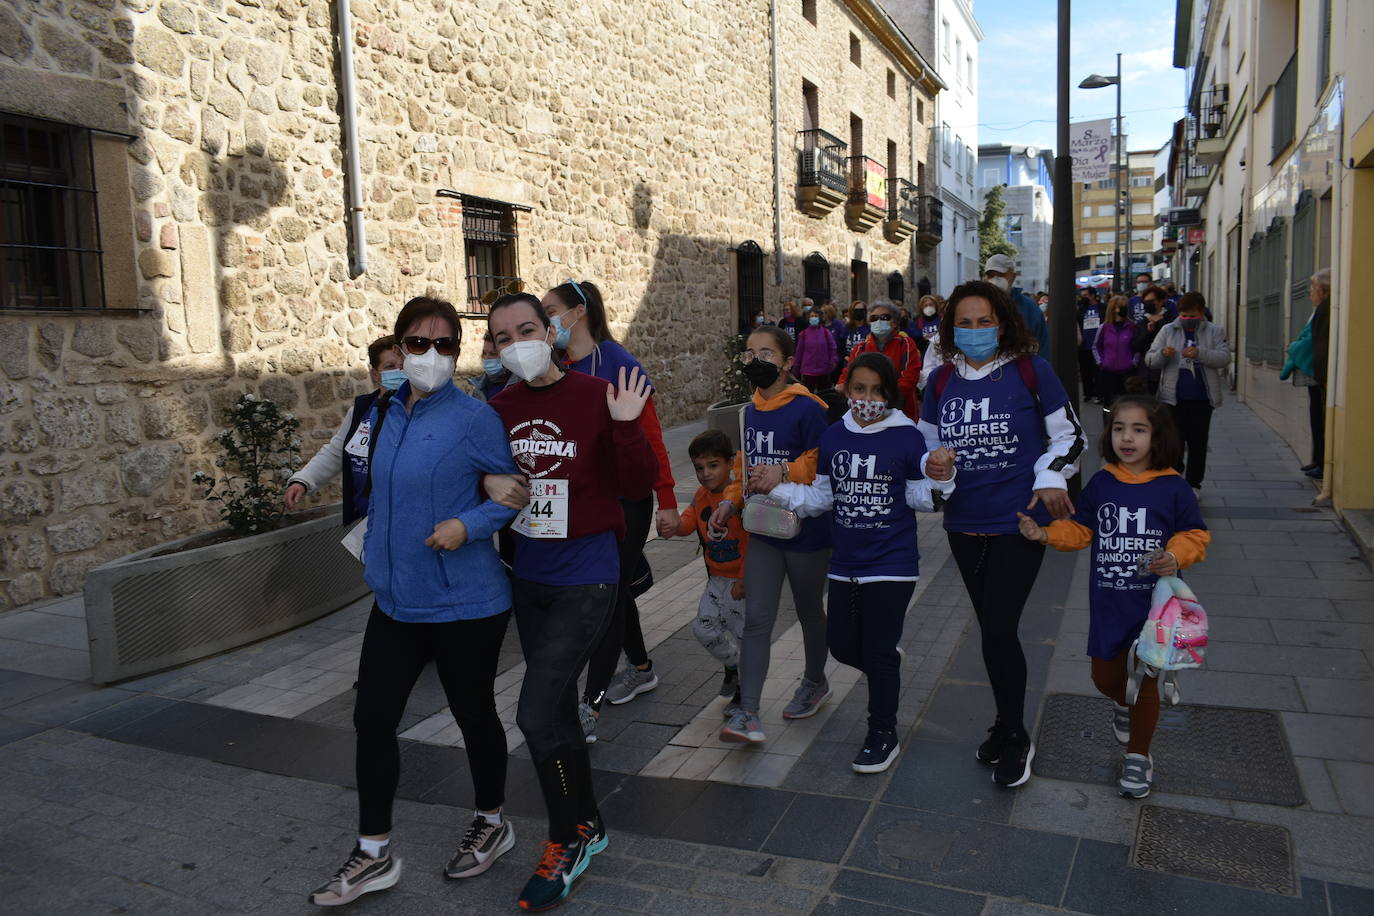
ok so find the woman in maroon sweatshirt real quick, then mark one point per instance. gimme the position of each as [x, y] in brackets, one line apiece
[577, 440]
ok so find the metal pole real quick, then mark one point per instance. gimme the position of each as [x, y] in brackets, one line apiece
[1063, 321]
[1116, 258]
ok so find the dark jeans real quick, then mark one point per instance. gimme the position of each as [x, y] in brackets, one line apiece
[864, 626]
[999, 571]
[1111, 385]
[465, 654]
[1194, 420]
[1316, 416]
[1087, 372]
[624, 630]
[559, 625]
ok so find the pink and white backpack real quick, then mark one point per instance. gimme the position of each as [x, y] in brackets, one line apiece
[1173, 638]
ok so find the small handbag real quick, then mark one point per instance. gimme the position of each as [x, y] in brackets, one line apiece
[762, 513]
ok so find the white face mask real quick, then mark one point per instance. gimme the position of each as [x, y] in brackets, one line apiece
[1001, 283]
[929, 311]
[428, 371]
[527, 359]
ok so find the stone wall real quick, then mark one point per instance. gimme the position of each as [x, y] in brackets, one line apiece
[644, 153]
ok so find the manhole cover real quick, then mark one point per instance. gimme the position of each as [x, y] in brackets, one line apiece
[1213, 751]
[1212, 848]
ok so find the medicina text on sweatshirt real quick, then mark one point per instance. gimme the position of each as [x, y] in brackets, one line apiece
[427, 467]
[785, 429]
[871, 480]
[579, 463]
[1125, 516]
[1007, 446]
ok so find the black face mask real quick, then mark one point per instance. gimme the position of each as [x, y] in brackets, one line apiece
[761, 373]
[1190, 324]
[859, 314]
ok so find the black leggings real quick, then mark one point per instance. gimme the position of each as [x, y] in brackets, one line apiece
[624, 630]
[864, 626]
[465, 654]
[559, 625]
[999, 571]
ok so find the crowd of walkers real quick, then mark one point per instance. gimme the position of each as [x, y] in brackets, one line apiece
[534, 496]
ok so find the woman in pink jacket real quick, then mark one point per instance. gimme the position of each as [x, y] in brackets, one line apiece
[1114, 350]
[815, 359]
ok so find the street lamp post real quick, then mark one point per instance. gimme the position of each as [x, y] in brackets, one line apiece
[1097, 81]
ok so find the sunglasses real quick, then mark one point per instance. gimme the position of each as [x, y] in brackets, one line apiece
[417, 346]
[510, 289]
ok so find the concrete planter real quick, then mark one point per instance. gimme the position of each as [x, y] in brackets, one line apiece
[724, 416]
[155, 609]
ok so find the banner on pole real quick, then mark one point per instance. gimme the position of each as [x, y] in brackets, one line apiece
[1092, 147]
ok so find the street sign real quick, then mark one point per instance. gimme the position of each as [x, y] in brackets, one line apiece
[1195, 235]
[1090, 145]
[1184, 216]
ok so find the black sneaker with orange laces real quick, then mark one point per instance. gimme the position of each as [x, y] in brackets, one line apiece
[560, 866]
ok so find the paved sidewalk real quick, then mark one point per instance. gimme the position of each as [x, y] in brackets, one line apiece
[222, 786]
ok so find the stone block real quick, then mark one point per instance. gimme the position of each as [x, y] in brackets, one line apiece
[23, 436]
[176, 17]
[14, 351]
[147, 468]
[70, 53]
[15, 42]
[25, 588]
[99, 487]
[51, 465]
[11, 397]
[159, 50]
[21, 501]
[297, 360]
[140, 339]
[122, 426]
[264, 63]
[94, 338]
[74, 536]
[65, 421]
[154, 263]
[52, 337]
[68, 574]
[282, 391]
[198, 289]
[169, 416]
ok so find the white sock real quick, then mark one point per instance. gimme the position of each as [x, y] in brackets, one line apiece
[372, 847]
[494, 819]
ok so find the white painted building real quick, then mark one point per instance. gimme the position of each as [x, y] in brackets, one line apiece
[1026, 174]
[947, 34]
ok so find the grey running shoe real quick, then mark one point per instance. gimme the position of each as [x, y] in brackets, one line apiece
[480, 847]
[587, 716]
[808, 699]
[360, 874]
[1137, 772]
[629, 684]
[1121, 723]
[743, 726]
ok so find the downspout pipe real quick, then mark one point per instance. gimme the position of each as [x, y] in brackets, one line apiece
[357, 265]
[777, 147]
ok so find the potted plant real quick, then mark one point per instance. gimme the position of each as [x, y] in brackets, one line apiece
[264, 573]
[734, 391]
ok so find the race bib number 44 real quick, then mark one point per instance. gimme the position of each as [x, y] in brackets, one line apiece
[547, 514]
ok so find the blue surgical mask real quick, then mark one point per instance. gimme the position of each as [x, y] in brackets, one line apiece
[492, 367]
[562, 336]
[976, 343]
[815, 321]
[392, 378]
[881, 327]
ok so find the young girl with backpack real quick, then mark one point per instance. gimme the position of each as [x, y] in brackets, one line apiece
[1137, 505]
[872, 471]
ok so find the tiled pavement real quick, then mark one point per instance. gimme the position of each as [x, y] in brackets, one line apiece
[217, 787]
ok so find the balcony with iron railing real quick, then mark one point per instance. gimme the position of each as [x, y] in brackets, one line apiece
[867, 203]
[822, 172]
[1197, 178]
[1285, 107]
[903, 211]
[1210, 129]
[930, 223]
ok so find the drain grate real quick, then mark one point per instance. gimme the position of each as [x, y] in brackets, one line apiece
[1243, 853]
[1213, 751]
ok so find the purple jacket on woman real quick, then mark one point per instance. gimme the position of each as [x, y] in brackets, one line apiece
[1113, 348]
[815, 354]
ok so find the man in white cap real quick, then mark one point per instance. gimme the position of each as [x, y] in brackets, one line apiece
[1000, 271]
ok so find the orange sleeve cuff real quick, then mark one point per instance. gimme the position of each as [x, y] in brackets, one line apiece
[803, 470]
[1067, 535]
[1190, 547]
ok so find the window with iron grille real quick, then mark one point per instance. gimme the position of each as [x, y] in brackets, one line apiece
[490, 247]
[50, 256]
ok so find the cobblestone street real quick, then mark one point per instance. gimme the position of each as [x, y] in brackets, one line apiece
[223, 786]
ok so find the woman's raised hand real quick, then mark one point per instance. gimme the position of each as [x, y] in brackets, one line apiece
[627, 399]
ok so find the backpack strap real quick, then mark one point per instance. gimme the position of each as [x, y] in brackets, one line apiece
[941, 379]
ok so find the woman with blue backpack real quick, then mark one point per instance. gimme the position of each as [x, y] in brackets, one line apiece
[1003, 411]
[1142, 520]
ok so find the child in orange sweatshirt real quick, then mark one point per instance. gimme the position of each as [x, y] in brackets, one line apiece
[1135, 506]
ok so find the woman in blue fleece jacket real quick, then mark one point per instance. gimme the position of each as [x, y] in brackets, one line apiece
[441, 595]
